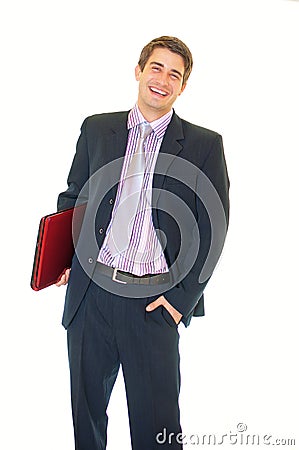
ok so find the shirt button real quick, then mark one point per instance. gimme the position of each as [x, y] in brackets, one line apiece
[90, 260]
[101, 230]
[111, 201]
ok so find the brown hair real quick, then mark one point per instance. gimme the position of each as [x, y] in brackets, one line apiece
[173, 44]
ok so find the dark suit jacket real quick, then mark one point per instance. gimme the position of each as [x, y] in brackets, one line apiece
[190, 187]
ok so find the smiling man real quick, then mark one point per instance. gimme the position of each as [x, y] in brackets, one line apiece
[154, 182]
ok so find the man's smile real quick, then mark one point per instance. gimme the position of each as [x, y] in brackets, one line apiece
[158, 91]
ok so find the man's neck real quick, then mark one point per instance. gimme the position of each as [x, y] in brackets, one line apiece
[151, 115]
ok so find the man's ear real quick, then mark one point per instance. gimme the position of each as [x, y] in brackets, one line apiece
[137, 72]
[183, 88]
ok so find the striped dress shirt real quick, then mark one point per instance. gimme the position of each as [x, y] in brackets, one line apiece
[144, 253]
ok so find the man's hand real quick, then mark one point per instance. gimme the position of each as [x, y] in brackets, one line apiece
[172, 311]
[64, 278]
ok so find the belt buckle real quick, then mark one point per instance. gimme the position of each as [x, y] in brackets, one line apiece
[114, 275]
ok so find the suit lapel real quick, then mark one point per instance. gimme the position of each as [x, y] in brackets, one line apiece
[117, 137]
[110, 151]
[170, 149]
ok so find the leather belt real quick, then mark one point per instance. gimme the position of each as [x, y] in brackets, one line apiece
[119, 276]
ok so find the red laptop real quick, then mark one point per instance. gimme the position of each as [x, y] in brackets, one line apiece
[55, 246]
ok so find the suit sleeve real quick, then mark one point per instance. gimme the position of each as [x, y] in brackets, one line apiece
[188, 292]
[78, 175]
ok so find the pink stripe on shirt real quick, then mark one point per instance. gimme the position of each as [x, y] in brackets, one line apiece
[144, 254]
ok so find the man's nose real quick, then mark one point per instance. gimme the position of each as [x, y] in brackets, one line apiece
[163, 78]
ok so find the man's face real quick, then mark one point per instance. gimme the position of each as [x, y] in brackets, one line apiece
[160, 83]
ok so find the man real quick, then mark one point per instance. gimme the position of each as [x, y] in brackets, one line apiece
[156, 189]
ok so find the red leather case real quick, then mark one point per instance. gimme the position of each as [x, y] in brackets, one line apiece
[55, 246]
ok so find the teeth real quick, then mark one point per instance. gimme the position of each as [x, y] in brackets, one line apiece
[158, 91]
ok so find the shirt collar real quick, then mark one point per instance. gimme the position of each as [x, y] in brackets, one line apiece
[159, 126]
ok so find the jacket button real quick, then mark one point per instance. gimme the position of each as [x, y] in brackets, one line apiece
[90, 260]
[101, 230]
[111, 201]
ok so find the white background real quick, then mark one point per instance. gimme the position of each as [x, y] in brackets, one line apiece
[63, 60]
